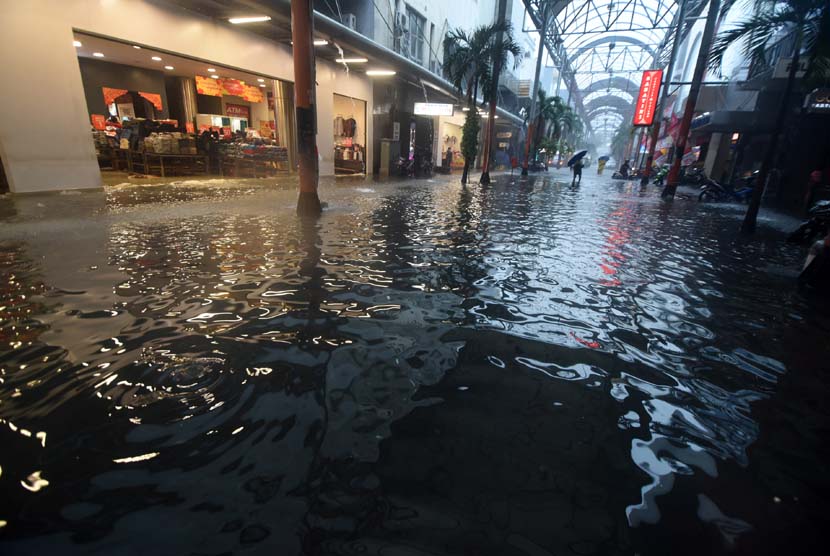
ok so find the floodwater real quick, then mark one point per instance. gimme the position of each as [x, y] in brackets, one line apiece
[526, 369]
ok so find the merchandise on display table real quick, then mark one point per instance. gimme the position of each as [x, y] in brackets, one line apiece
[170, 143]
[252, 159]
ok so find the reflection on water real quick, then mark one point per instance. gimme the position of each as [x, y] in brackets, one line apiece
[524, 369]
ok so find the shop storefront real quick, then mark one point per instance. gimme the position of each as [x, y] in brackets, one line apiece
[157, 114]
[349, 135]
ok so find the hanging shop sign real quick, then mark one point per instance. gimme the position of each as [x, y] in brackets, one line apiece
[433, 109]
[153, 98]
[233, 87]
[647, 99]
[208, 86]
[237, 111]
[111, 94]
[504, 135]
[252, 94]
[818, 102]
[99, 122]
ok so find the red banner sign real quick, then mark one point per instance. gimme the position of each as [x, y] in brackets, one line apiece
[647, 99]
[237, 111]
[99, 122]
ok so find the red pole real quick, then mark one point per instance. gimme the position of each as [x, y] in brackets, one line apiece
[305, 93]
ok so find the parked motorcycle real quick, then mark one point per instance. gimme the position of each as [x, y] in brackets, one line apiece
[816, 270]
[712, 191]
[692, 175]
[818, 225]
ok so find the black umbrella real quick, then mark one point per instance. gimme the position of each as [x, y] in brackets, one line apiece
[604, 157]
[576, 157]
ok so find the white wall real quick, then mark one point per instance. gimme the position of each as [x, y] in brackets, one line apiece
[45, 140]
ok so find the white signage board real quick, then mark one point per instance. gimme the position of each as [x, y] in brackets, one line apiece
[433, 109]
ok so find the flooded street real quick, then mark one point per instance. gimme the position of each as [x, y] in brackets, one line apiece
[520, 369]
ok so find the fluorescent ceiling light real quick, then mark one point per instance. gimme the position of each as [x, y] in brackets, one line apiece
[98, 54]
[168, 67]
[211, 70]
[351, 60]
[156, 58]
[215, 76]
[252, 19]
[76, 44]
[380, 73]
[466, 109]
[320, 42]
[136, 47]
[262, 84]
[261, 80]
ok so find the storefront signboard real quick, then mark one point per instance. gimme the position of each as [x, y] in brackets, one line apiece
[208, 86]
[233, 87]
[252, 94]
[782, 68]
[504, 135]
[99, 122]
[433, 109]
[647, 99]
[818, 102]
[237, 111]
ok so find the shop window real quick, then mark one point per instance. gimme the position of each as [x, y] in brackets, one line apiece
[417, 24]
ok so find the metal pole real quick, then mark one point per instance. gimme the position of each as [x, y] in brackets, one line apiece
[531, 120]
[655, 131]
[691, 102]
[491, 118]
[305, 93]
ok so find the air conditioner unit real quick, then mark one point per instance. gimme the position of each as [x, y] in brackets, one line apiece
[403, 21]
[350, 21]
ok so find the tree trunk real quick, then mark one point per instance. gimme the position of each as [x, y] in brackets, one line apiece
[491, 119]
[751, 218]
[535, 92]
[465, 172]
[302, 33]
[691, 102]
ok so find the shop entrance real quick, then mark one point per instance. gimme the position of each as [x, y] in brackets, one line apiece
[349, 136]
[154, 113]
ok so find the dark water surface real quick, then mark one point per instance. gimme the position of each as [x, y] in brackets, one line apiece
[525, 369]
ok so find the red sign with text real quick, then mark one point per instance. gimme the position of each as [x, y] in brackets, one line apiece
[647, 99]
[99, 122]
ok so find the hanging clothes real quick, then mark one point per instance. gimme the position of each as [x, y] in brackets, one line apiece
[349, 127]
[338, 126]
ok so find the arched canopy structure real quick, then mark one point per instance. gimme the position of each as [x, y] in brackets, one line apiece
[602, 47]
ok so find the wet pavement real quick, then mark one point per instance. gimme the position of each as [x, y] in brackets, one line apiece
[522, 369]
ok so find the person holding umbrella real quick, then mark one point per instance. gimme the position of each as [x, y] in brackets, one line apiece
[601, 161]
[576, 165]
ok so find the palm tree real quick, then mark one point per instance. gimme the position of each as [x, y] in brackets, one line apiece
[498, 51]
[548, 114]
[467, 65]
[802, 18]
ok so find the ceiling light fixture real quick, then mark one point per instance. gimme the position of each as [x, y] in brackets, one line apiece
[136, 47]
[214, 76]
[466, 109]
[261, 80]
[252, 19]
[211, 70]
[262, 84]
[76, 44]
[320, 42]
[351, 60]
[168, 67]
[156, 59]
[380, 73]
[98, 54]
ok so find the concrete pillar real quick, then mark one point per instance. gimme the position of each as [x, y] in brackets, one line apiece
[45, 132]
